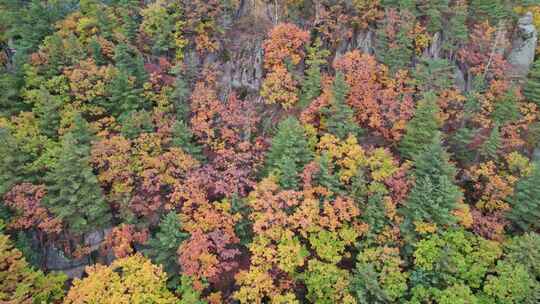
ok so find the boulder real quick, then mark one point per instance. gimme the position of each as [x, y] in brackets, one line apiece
[523, 46]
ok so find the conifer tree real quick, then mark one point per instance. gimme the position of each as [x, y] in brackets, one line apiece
[12, 162]
[422, 128]
[182, 137]
[456, 31]
[73, 191]
[492, 144]
[124, 97]
[531, 90]
[493, 10]
[163, 246]
[289, 153]
[525, 212]
[129, 63]
[311, 88]
[434, 195]
[339, 116]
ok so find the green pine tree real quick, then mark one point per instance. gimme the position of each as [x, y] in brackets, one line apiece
[434, 75]
[492, 10]
[73, 191]
[182, 137]
[399, 56]
[311, 87]
[492, 144]
[288, 154]
[434, 195]
[456, 30]
[13, 162]
[339, 117]
[326, 177]
[531, 90]
[163, 246]
[525, 212]
[123, 96]
[130, 62]
[422, 128]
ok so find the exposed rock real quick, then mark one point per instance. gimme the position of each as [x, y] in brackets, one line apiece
[523, 46]
[55, 260]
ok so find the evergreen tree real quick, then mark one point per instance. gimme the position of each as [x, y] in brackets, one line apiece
[531, 90]
[396, 52]
[130, 62]
[456, 29]
[339, 117]
[492, 144]
[182, 137]
[326, 177]
[493, 10]
[136, 122]
[13, 162]
[289, 153]
[434, 75]
[163, 246]
[73, 191]
[311, 88]
[525, 212]
[434, 195]
[460, 141]
[95, 49]
[506, 109]
[422, 128]
[123, 96]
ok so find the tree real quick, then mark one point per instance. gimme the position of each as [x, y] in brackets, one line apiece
[133, 279]
[422, 128]
[288, 154]
[379, 277]
[525, 203]
[531, 89]
[284, 48]
[492, 144]
[311, 87]
[339, 116]
[379, 103]
[13, 161]
[326, 283]
[494, 10]
[434, 195]
[74, 194]
[182, 137]
[163, 246]
[21, 283]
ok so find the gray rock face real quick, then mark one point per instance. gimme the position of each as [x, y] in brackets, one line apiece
[523, 46]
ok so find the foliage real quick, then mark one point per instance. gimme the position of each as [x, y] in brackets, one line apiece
[380, 102]
[21, 283]
[163, 246]
[284, 46]
[526, 201]
[422, 128]
[326, 283]
[434, 195]
[288, 154]
[133, 279]
[531, 89]
[339, 116]
[73, 192]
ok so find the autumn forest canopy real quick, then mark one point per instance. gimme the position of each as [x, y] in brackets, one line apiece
[269, 151]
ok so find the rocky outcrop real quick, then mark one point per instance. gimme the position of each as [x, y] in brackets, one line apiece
[523, 46]
[56, 260]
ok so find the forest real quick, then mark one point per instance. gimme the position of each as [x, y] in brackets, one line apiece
[269, 151]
